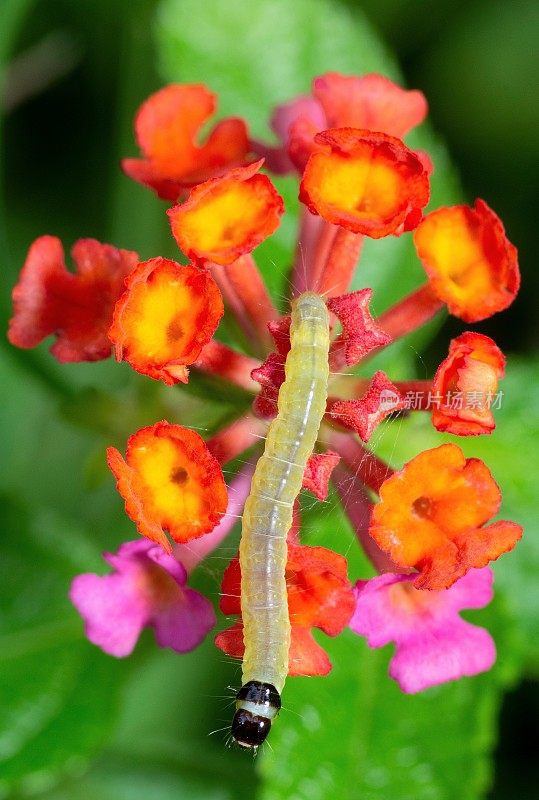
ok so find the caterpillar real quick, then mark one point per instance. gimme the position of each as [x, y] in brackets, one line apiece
[267, 518]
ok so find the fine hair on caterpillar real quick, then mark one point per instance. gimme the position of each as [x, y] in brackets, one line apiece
[267, 518]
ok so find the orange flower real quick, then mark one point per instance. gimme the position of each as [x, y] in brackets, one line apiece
[169, 481]
[319, 596]
[165, 317]
[227, 217]
[167, 127]
[471, 264]
[78, 307]
[430, 516]
[365, 182]
[467, 381]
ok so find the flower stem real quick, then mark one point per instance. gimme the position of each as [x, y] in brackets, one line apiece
[309, 230]
[422, 392]
[314, 267]
[338, 270]
[358, 509]
[218, 359]
[240, 435]
[366, 467]
[245, 293]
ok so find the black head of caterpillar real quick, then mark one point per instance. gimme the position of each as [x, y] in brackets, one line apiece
[257, 703]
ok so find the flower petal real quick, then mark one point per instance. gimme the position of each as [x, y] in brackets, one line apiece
[183, 626]
[430, 513]
[77, 308]
[147, 588]
[368, 183]
[462, 649]
[113, 610]
[467, 381]
[371, 102]
[167, 126]
[319, 593]
[165, 317]
[364, 415]
[227, 217]
[169, 481]
[280, 160]
[306, 657]
[433, 645]
[471, 264]
[318, 472]
[360, 334]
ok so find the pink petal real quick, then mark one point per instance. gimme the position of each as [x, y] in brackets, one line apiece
[434, 657]
[276, 158]
[433, 644]
[113, 611]
[183, 625]
[473, 590]
[375, 613]
[303, 106]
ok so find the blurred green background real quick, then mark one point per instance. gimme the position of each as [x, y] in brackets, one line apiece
[77, 724]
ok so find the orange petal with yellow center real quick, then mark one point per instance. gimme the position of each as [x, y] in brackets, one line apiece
[432, 508]
[170, 482]
[227, 217]
[471, 264]
[165, 317]
[366, 182]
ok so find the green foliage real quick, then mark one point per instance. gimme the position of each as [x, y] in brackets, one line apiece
[58, 694]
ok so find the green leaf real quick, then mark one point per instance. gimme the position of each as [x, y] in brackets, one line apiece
[58, 693]
[258, 54]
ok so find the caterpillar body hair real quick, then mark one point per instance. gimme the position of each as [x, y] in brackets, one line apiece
[267, 518]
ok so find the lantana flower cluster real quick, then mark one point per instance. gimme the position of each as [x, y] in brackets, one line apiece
[426, 528]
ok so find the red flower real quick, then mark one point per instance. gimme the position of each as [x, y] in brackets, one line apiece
[471, 264]
[318, 472]
[76, 307]
[167, 127]
[432, 514]
[364, 415]
[467, 381]
[319, 596]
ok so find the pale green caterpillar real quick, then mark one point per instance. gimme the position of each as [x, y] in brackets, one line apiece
[267, 518]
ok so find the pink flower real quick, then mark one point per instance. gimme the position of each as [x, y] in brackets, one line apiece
[433, 644]
[146, 588]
